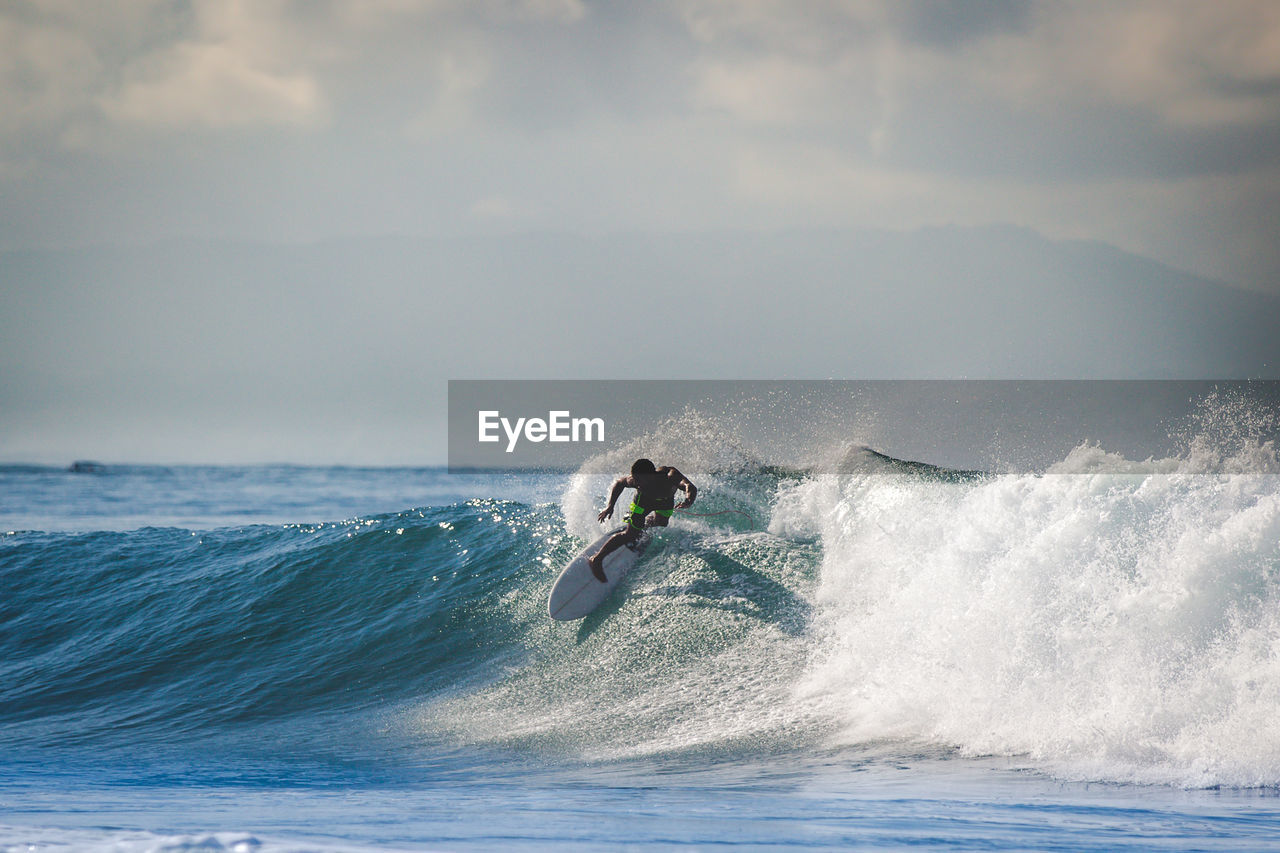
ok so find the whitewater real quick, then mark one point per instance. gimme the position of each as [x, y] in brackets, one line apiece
[858, 651]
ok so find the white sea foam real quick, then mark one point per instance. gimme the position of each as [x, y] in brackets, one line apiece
[1110, 619]
[127, 841]
[1107, 618]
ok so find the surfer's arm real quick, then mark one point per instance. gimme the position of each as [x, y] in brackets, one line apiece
[614, 494]
[690, 491]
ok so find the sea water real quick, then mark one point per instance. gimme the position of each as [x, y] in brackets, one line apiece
[852, 654]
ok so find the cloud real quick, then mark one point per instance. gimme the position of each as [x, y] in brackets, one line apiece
[677, 114]
[1192, 64]
[1152, 124]
[44, 72]
[237, 68]
[69, 70]
[456, 76]
[1047, 92]
[216, 64]
[214, 85]
[1189, 64]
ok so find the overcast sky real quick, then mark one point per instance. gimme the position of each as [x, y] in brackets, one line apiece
[1151, 125]
[1154, 126]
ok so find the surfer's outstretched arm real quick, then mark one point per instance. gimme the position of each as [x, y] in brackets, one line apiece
[614, 493]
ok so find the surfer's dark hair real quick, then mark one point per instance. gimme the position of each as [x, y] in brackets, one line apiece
[642, 466]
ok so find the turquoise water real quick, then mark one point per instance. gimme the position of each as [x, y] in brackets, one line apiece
[865, 654]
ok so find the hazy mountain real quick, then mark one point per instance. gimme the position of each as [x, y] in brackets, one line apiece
[357, 336]
[942, 302]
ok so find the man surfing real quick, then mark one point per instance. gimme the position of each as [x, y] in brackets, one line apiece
[654, 504]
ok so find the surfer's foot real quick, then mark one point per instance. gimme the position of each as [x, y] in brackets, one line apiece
[596, 569]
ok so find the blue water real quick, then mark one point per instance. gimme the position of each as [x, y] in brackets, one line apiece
[864, 654]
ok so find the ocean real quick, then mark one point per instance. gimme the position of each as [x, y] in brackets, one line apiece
[861, 653]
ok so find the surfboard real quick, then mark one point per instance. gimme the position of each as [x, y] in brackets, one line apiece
[577, 592]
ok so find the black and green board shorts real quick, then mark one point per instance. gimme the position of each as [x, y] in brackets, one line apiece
[635, 515]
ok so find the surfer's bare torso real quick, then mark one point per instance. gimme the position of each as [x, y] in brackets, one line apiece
[653, 505]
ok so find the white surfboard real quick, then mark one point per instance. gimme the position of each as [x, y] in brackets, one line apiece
[577, 592]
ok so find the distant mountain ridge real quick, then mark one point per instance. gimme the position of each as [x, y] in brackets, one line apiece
[945, 302]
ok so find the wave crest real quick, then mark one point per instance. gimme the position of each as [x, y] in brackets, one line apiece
[1119, 622]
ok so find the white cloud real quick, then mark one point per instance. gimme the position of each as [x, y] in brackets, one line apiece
[213, 85]
[564, 11]
[814, 29]
[45, 72]
[236, 69]
[1191, 63]
[771, 89]
[681, 114]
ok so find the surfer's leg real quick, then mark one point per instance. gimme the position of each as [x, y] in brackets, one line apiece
[613, 543]
[658, 518]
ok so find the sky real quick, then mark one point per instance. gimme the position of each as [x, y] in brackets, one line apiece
[1153, 127]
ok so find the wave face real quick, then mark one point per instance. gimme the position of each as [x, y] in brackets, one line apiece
[1106, 619]
[166, 630]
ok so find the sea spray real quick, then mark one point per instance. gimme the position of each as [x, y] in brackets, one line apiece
[1116, 622]
[1107, 618]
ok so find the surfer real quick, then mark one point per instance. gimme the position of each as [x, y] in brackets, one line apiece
[654, 504]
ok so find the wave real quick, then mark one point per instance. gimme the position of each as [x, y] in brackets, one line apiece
[862, 460]
[1107, 619]
[170, 630]
[1110, 619]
